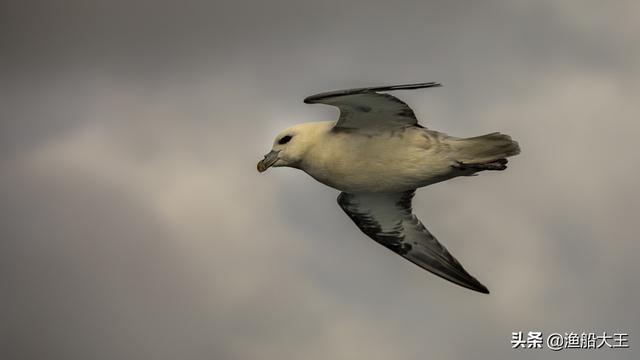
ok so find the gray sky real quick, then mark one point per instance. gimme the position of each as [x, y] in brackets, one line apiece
[135, 225]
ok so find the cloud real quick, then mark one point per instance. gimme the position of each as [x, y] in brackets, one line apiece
[136, 225]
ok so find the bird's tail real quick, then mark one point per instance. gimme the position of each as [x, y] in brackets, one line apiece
[484, 149]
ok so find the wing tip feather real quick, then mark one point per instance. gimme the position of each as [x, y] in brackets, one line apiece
[480, 288]
[315, 98]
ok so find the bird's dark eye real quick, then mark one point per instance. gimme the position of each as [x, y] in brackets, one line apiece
[284, 140]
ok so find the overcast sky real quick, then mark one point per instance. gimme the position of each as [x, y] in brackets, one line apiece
[135, 226]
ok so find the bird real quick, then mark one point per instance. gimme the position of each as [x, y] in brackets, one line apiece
[377, 155]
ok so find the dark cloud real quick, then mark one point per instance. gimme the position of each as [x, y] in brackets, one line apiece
[136, 226]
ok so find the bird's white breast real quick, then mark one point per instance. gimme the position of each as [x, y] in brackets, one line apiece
[382, 162]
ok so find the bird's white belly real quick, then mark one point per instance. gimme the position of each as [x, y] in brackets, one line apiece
[378, 164]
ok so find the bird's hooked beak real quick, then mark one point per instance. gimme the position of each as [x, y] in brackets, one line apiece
[268, 160]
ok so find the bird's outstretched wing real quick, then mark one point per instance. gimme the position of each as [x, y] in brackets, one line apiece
[387, 219]
[366, 108]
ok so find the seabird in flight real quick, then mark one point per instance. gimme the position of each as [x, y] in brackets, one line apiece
[377, 155]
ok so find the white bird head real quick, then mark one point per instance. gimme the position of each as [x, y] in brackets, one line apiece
[291, 145]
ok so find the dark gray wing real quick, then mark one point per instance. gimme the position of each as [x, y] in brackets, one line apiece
[366, 108]
[387, 219]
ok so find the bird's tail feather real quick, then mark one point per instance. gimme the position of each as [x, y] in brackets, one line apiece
[484, 148]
